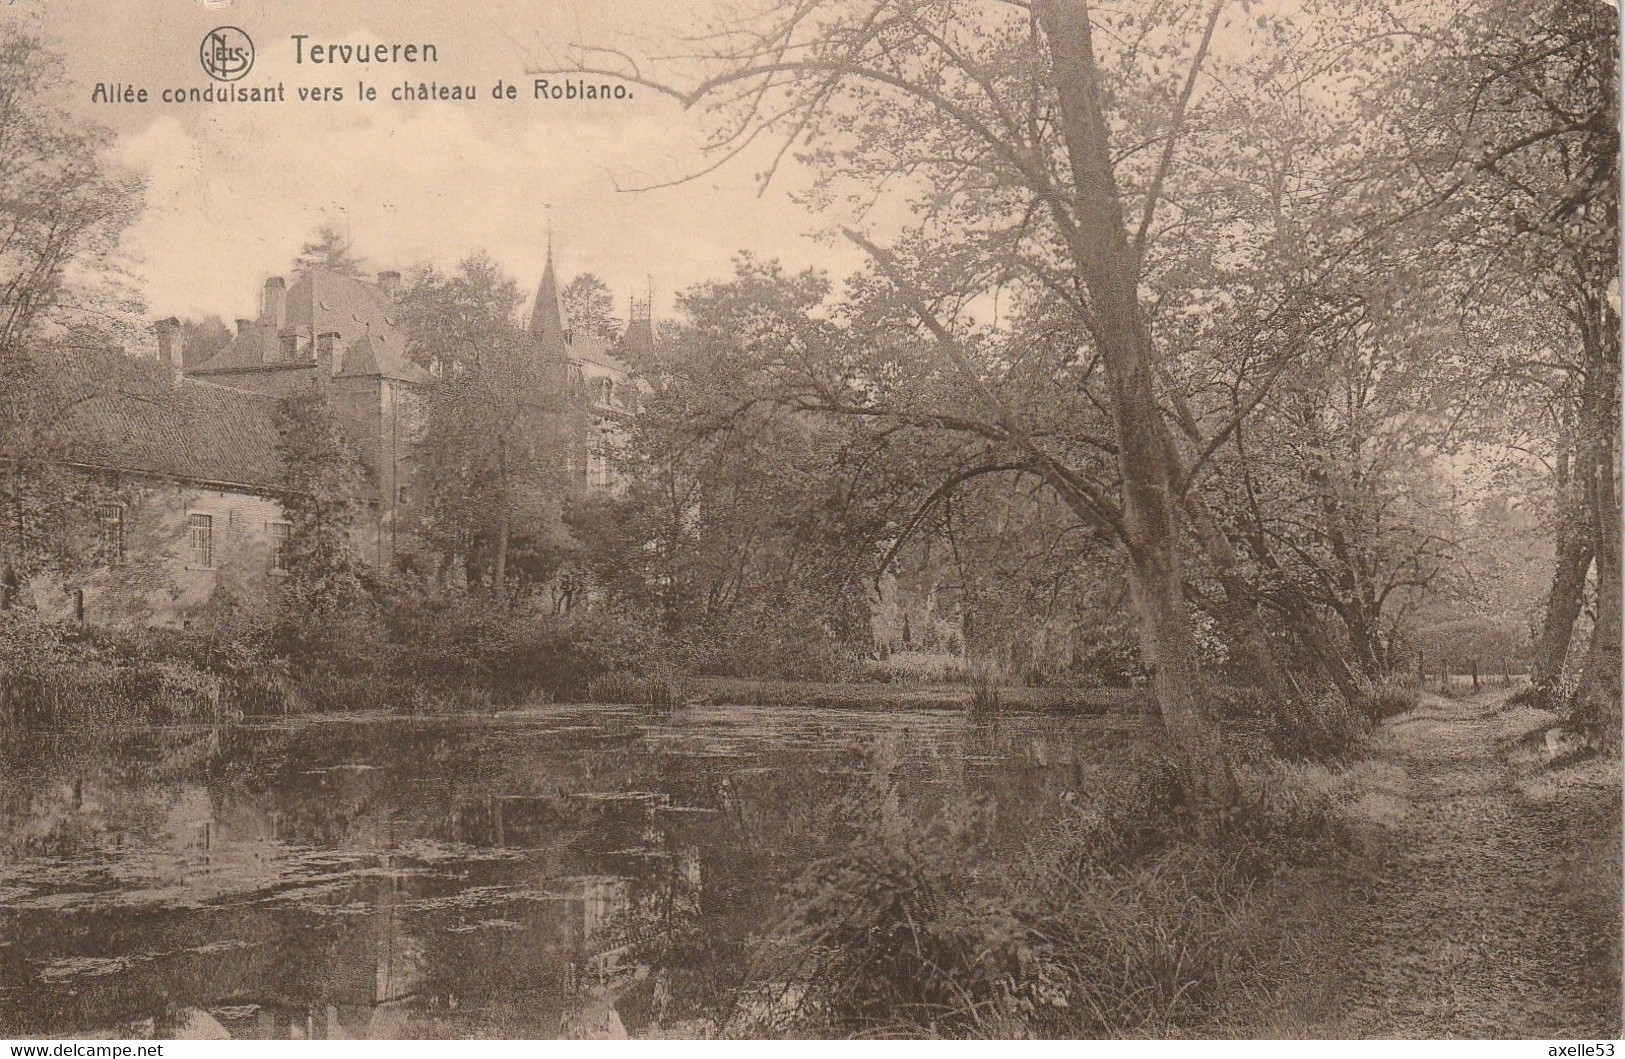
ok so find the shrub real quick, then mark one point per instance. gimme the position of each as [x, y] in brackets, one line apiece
[452, 643]
[609, 641]
[985, 679]
[1528, 695]
[787, 642]
[890, 936]
[629, 689]
[1389, 699]
[1318, 724]
[910, 668]
[1120, 918]
[409, 652]
[69, 676]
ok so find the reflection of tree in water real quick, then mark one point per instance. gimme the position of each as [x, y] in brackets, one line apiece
[444, 877]
[723, 859]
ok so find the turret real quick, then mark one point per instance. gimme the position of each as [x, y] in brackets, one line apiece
[546, 316]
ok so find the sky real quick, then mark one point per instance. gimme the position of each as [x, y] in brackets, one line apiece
[233, 190]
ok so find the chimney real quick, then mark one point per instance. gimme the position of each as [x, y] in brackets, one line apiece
[390, 282]
[243, 326]
[329, 357]
[169, 341]
[271, 309]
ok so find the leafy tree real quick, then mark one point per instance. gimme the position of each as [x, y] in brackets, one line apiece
[590, 308]
[202, 339]
[1179, 269]
[329, 248]
[322, 482]
[1037, 597]
[1338, 487]
[61, 215]
[497, 414]
[1510, 112]
[65, 205]
[1040, 153]
[738, 518]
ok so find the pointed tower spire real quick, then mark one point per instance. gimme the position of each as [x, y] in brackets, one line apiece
[637, 341]
[546, 317]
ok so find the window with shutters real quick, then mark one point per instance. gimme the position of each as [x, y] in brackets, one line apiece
[112, 519]
[200, 539]
[279, 546]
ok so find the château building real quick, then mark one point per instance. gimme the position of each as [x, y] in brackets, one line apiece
[594, 370]
[184, 461]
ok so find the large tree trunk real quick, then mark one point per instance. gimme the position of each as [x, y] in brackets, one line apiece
[1597, 698]
[1307, 625]
[1574, 551]
[1362, 630]
[1168, 650]
[499, 568]
[1243, 607]
[1352, 606]
[1334, 663]
[1109, 268]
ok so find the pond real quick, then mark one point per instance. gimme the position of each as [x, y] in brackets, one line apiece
[548, 872]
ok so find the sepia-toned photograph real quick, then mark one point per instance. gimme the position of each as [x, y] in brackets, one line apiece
[809, 519]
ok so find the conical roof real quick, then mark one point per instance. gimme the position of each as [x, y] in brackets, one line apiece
[546, 316]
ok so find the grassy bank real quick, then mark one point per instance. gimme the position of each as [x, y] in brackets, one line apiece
[424, 656]
[1572, 797]
[1117, 916]
[736, 691]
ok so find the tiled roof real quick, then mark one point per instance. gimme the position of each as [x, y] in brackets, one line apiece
[360, 359]
[130, 415]
[321, 302]
[638, 341]
[595, 351]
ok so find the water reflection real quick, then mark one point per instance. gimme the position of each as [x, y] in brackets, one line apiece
[553, 872]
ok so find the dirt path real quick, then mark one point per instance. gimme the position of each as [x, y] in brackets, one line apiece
[1473, 927]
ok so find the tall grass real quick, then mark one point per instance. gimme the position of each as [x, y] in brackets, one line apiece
[985, 679]
[912, 667]
[402, 653]
[621, 687]
[74, 678]
[1116, 919]
[1391, 698]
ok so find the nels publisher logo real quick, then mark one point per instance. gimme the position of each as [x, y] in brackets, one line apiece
[227, 53]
